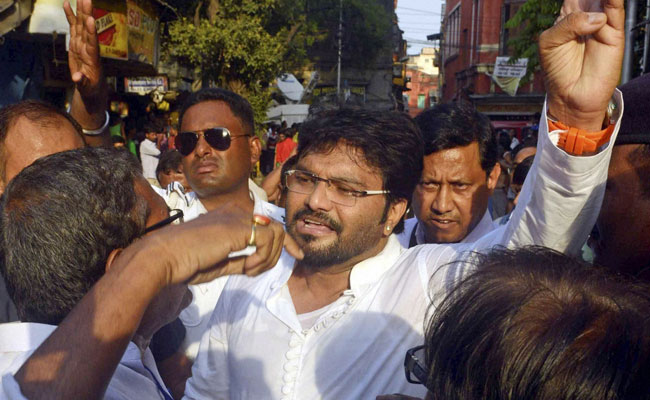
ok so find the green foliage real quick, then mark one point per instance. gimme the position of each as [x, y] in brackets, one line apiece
[534, 17]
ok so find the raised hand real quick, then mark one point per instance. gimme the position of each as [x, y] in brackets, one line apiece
[581, 56]
[83, 56]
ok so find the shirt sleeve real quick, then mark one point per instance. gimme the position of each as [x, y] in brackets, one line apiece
[10, 389]
[149, 148]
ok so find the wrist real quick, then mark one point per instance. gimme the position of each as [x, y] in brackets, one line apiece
[590, 121]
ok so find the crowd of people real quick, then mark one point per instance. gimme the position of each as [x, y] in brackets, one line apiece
[382, 257]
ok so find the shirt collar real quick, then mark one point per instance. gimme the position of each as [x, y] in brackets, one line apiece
[23, 336]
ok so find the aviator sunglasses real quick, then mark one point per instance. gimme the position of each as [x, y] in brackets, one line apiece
[217, 138]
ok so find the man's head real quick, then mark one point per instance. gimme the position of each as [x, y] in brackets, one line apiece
[30, 130]
[61, 218]
[623, 240]
[334, 223]
[209, 170]
[170, 169]
[460, 172]
[152, 129]
[535, 324]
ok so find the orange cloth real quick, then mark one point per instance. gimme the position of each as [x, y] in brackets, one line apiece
[283, 150]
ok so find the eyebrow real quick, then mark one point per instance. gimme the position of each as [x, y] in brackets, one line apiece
[335, 178]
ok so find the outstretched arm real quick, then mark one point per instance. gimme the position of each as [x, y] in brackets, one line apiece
[90, 96]
[104, 321]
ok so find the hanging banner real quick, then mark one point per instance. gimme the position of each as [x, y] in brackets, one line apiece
[146, 84]
[508, 75]
[143, 31]
[112, 33]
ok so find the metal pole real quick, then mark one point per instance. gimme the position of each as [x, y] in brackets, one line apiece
[338, 67]
[646, 41]
[628, 57]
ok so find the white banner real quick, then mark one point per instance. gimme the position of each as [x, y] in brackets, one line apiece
[503, 69]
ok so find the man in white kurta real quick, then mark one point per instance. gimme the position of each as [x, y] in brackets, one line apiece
[258, 346]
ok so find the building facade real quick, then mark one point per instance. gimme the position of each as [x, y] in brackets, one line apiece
[473, 36]
[422, 78]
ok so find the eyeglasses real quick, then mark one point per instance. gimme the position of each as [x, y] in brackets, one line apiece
[217, 138]
[337, 190]
[174, 215]
[414, 366]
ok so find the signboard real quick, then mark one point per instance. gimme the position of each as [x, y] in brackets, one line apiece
[503, 69]
[324, 90]
[143, 32]
[110, 21]
[146, 84]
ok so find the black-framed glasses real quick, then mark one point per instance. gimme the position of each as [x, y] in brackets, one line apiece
[338, 191]
[218, 138]
[174, 215]
[414, 366]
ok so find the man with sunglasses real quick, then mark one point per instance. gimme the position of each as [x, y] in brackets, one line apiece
[219, 149]
[337, 323]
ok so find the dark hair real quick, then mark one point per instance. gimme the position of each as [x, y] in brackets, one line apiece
[169, 161]
[60, 219]
[535, 324]
[36, 111]
[117, 139]
[388, 140]
[448, 126]
[239, 106]
[153, 125]
[521, 170]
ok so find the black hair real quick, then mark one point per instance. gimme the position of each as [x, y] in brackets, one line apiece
[239, 106]
[36, 111]
[448, 126]
[169, 161]
[60, 219]
[535, 324]
[388, 141]
[521, 170]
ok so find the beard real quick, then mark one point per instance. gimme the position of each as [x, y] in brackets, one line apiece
[345, 247]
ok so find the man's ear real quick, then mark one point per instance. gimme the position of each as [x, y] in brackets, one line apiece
[395, 214]
[256, 149]
[493, 178]
[111, 258]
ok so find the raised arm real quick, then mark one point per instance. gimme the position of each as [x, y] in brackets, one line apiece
[89, 101]
[104, 321]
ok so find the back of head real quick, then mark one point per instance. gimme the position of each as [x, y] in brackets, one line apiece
[169, 161]
[60, 219]
[388, 140]
[239, 106]
[535, 324]
[448, 126]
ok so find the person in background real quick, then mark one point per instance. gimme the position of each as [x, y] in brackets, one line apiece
[149, 151]
[284, 148]
[170, 169]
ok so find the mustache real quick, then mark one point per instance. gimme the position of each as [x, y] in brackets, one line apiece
[304, 213]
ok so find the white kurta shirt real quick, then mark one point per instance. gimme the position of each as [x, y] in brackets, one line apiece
[256, 348]
[131, 379]
[484, 226]
[149, 154]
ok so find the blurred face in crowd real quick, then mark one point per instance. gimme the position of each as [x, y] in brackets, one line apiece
[151, 136]
[453, 193]
[624, 220]
[210, 171]
[173, 175]
[168, 304]
[26, 141]
[334, 234]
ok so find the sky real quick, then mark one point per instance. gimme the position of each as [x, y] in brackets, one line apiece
[418, 18]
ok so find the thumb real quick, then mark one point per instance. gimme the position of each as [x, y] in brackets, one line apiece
[572, 27]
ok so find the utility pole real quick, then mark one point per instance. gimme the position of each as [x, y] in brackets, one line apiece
[338, 67]
[628, 56]
[646, 41]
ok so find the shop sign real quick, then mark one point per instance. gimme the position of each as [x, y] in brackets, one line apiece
[325, 90]
[146, 84]
[143, 32]
[110, 22]
[504, 69]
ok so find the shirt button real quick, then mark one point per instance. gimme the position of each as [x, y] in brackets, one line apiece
[286, 389]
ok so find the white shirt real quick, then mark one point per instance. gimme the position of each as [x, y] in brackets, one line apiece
[204, 296]
[131, 380]
[255, 347]
[483, 227]
[149, 154]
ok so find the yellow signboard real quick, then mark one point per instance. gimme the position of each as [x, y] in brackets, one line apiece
[143, 31]
[110, 21]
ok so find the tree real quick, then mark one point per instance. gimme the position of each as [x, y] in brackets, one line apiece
[534, 16]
